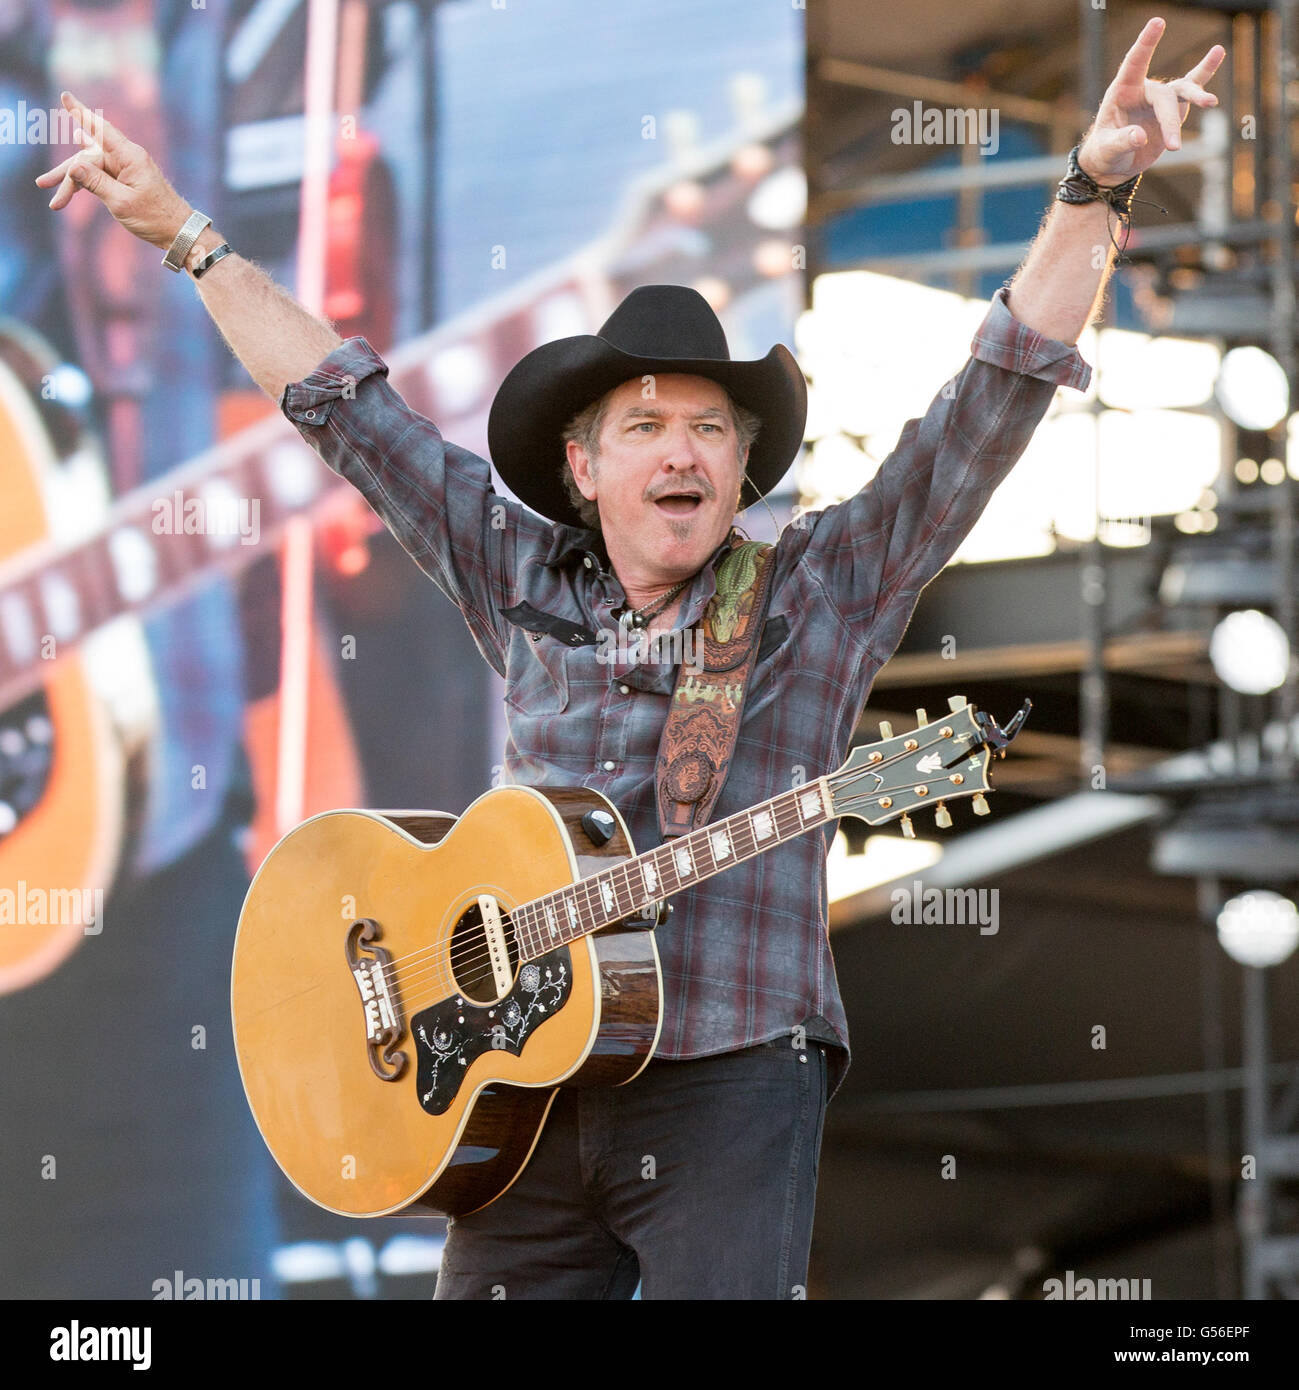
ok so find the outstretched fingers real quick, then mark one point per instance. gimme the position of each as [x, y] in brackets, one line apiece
[1135, 66]
[1207, 65]
[97, 129]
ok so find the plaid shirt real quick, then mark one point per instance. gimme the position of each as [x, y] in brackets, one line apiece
[746, 954]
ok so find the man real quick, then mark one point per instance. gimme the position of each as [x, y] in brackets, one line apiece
[635, 446]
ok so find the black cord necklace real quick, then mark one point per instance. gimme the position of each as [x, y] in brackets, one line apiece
[638, 617]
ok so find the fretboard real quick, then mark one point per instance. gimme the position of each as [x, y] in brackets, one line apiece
[591, 903]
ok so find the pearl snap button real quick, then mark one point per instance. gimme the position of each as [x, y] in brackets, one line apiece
[588, 562]
[624, 690]
[608, 767]
[311, 415]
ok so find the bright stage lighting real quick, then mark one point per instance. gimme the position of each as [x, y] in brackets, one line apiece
[1250, 652]
[1259, 928]
[1252, 388]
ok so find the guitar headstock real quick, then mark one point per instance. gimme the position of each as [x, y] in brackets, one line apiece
[939, 760]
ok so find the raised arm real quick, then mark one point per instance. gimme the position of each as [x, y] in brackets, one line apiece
[434, 497]
[275, 338]
[1058, 287]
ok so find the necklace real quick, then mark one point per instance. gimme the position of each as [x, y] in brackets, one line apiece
[638, 617]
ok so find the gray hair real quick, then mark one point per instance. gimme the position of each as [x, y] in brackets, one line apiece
[584, 430]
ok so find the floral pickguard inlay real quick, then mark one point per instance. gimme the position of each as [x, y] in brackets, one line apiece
[452, 1034]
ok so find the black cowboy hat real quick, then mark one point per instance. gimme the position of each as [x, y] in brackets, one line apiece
[657, 328]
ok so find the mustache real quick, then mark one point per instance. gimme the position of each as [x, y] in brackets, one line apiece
[699, 487]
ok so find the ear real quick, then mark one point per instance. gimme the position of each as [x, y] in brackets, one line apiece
[580, 466]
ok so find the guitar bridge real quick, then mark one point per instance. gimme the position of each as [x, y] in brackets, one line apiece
[377, 984]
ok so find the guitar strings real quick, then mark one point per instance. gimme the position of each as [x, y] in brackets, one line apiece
[417, 983]
[419, 987]
[476, 953]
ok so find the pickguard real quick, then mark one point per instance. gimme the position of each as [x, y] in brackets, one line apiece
[452, 1034]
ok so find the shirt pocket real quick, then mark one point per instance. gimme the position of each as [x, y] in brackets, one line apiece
[536, 676]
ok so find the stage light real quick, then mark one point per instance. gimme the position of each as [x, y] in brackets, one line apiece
[1246, 471]
[1252, 388]
[1260, 928]
[459, 376]
[1250, 652]
[1138, 372]
[780, 201]
[883, 859]
[70, 386]
[1272, 471]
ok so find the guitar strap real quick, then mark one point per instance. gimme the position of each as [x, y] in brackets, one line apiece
[703, 720]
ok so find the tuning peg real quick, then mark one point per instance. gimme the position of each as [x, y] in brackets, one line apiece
[942, 817]
[921, 718]
[955, 702]
[980, 804]
[886, 729]
[908, 830]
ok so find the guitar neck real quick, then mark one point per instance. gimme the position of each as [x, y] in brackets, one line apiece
[607, 897]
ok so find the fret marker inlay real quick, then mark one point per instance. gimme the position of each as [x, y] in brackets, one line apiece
[684, 865]
[811, 802]
[650, 875]
[62, 606]
[135, 564]
[19, 629]
[721, 844]
[606, 892]
[763, 826]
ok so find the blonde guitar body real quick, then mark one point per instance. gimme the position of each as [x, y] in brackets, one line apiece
[410, 990]
[396, 1048]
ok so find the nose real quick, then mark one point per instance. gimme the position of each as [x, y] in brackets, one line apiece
[681, 451]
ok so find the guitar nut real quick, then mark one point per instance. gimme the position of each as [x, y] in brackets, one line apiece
[957, 778]
[922, 790]
[911, 745]
[946, 731]
[886, 802]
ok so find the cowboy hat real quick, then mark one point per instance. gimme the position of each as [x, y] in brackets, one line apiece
[656, 329]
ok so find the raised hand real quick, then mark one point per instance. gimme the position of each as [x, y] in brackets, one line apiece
[121, 175]
[1139, 117]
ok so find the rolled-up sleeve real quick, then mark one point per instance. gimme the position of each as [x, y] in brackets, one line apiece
[874, 553]
[436, 498]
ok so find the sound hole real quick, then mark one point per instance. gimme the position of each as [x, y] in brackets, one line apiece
[26, 759]
[471, 957]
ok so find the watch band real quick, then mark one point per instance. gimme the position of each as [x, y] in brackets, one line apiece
[184, 242]
[217, 253]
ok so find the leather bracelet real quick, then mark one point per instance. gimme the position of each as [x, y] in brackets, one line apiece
[1078, 186]
[217, 253]
[184, 242]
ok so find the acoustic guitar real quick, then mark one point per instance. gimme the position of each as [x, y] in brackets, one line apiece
[410, 989]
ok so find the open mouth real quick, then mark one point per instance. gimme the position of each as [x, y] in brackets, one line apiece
[679, 503]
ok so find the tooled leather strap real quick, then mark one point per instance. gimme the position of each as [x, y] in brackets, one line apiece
[703, 722]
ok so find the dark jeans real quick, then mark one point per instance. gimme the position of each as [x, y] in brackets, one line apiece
[697, 1178]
